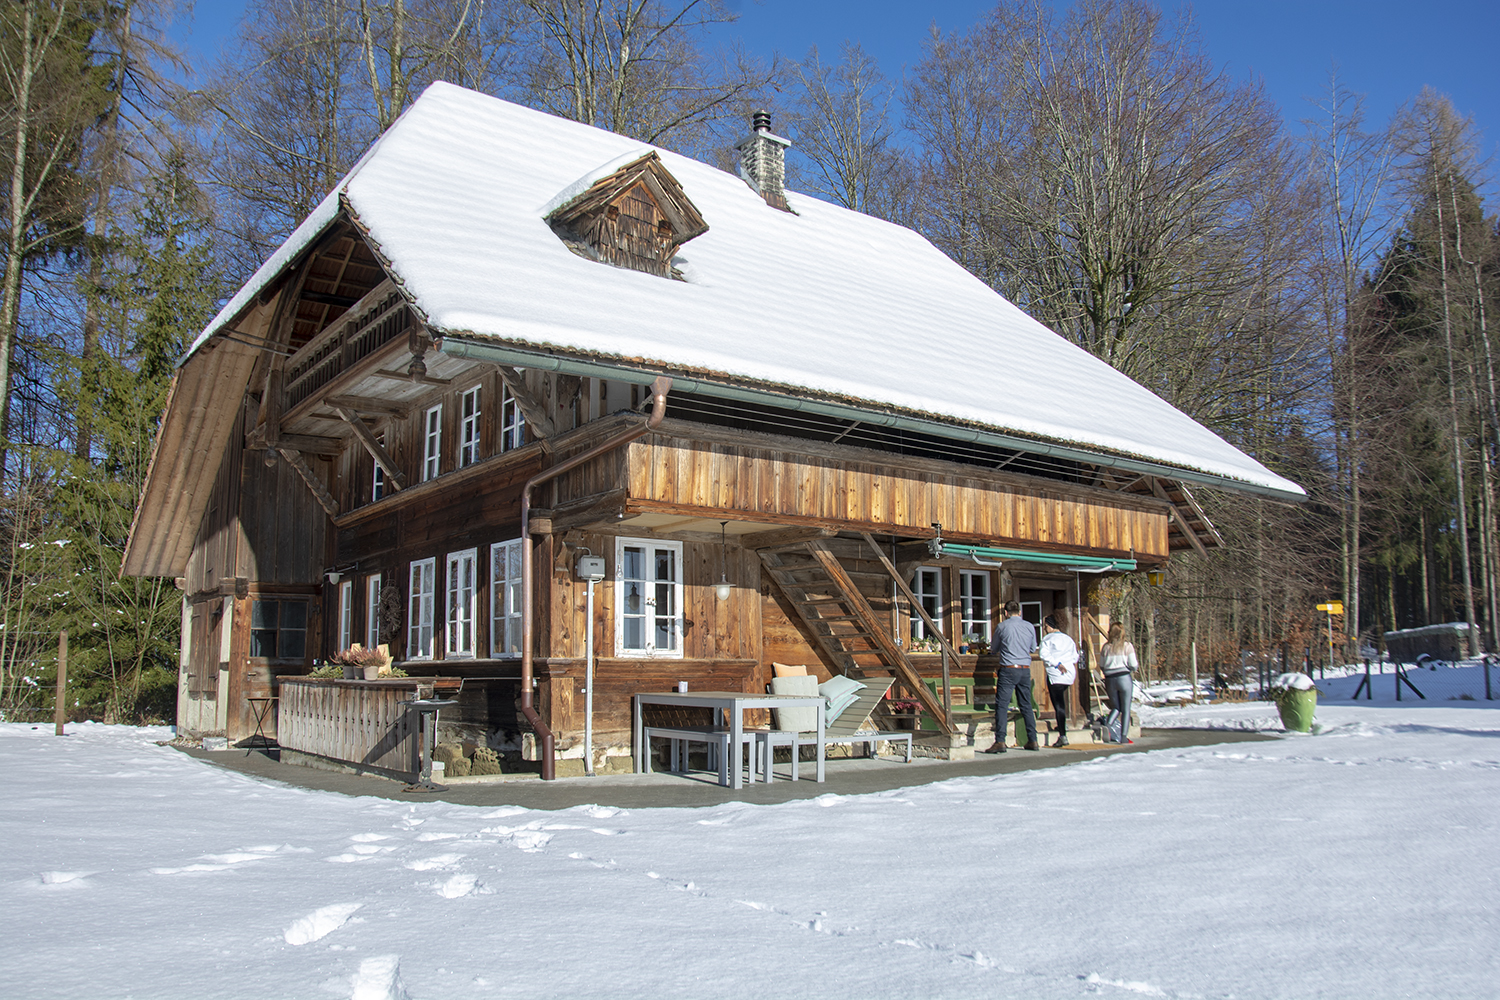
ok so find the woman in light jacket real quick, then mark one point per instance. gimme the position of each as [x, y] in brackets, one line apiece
[1060, 656]
[1118, 661]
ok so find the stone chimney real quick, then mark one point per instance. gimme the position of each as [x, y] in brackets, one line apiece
[763, 161]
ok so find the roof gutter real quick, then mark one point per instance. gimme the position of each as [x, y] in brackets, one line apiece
[520, 358]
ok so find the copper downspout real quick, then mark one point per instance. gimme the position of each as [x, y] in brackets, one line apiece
[659, 390]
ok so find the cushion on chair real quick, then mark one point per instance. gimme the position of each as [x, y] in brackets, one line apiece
[796, 719]
[788, 669]
[839, 692]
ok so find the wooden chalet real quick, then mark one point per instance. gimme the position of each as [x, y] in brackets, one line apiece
[508, 342]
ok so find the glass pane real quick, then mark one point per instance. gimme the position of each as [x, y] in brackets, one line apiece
[665, 565]
[635, 633]
[263, 614]
[632, 598]
[293, 644]
[513, 636]
[664, 636]
[262, 642]
[632, 567]
[293, 614]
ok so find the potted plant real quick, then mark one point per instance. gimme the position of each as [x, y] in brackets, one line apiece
[1296, 698]
[370, 664]
[904, 711]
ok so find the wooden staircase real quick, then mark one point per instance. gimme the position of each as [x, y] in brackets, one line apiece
[826, 597]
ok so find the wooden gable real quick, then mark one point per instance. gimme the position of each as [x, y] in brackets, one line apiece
[635, 217]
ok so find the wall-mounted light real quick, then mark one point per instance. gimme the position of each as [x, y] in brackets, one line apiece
[1155, 576]
[723, 588]
[337, 573]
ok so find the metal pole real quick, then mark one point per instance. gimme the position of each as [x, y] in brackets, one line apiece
[1195, 673]
[588, 688]
[60, 702]
[1330, 641]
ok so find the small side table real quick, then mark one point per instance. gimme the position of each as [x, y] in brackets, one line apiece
[262, 709]
[427, 710]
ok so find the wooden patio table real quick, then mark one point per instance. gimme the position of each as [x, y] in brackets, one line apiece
[733, 704]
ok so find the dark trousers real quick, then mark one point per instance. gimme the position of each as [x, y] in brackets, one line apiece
[1014, 681]
[1060, 693]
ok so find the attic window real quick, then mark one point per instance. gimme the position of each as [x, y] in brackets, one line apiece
[635, 216]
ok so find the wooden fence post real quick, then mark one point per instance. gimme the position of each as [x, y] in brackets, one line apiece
[60, 703]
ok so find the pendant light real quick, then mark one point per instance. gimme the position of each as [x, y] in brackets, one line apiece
[723, 587]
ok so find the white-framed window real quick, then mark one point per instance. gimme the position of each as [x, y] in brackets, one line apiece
[648, 597]
[1031, 611]
[432, 442]
[505, 598]
[346, 614]
[463, 590]
[927, 588]
[468, 428]
[419, 610]
[377, 478]
[372, 611]
[974, 601]
[512, 422]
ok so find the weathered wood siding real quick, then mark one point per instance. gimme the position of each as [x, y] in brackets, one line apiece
[665, 473]
[354, 721]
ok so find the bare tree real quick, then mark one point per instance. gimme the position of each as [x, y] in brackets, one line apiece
[841, 121]
[631, 66]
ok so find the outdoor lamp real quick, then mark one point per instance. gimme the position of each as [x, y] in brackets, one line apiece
[723, 587]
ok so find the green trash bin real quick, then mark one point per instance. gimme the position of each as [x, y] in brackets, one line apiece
[1296, 706]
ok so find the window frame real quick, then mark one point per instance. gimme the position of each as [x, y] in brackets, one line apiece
[377, 477]
[505, 599]
[648, 648]
[420, 600]
[469, 427]
[372, 611]
[460, 612]
[970, 624]
[432, 442]
[923, 596]
[512, 421]
[257, 634]
[346, 614]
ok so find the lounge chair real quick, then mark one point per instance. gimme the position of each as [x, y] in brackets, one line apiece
[851, 725]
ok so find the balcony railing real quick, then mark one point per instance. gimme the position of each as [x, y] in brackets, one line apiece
[380, 317]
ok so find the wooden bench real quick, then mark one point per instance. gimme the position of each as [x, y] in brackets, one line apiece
[717, 741]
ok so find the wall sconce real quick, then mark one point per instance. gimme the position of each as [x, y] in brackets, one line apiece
[337, 573]
[723, 588]
[1155, 576]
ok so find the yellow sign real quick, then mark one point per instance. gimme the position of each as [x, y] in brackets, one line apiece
[1332, 607]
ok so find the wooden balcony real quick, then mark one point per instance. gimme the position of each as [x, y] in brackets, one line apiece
[374, 321]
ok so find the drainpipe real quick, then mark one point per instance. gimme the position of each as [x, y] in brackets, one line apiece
[659, 390]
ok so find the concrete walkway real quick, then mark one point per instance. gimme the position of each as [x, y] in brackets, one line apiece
[634, 791]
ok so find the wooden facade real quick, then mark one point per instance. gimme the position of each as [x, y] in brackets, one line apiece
[329, 473]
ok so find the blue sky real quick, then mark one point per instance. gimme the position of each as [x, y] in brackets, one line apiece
[1385, 49]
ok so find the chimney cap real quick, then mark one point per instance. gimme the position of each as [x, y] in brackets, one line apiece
[760, 121]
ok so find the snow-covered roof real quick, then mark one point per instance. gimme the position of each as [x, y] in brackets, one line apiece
[824, 301]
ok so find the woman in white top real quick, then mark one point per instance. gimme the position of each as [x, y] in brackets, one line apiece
[1118, 661]
[1060, 655]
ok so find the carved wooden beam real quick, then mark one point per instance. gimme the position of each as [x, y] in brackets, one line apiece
[1182, 522]
[296, 461]
[405, 377]
[783, 536]
[309, 444]
[393, 476]
[531, 407]
[368, 404]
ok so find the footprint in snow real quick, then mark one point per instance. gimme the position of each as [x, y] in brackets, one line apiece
[319, 923]
[379, 978]
[434, 862]
[64, 880]
[460, 885]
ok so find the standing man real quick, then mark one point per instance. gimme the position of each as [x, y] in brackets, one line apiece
[1015, 641]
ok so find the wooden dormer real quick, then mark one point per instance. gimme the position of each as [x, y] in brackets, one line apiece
[635, 217]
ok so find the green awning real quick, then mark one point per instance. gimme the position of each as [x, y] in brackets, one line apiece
[986, 553]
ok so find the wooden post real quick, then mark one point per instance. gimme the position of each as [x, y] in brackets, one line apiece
[60, 702]
[1195, 673]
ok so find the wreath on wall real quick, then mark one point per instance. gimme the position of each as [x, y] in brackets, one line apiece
[390, 613]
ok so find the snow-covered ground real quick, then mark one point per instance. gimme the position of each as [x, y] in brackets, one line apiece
[1357, 862]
